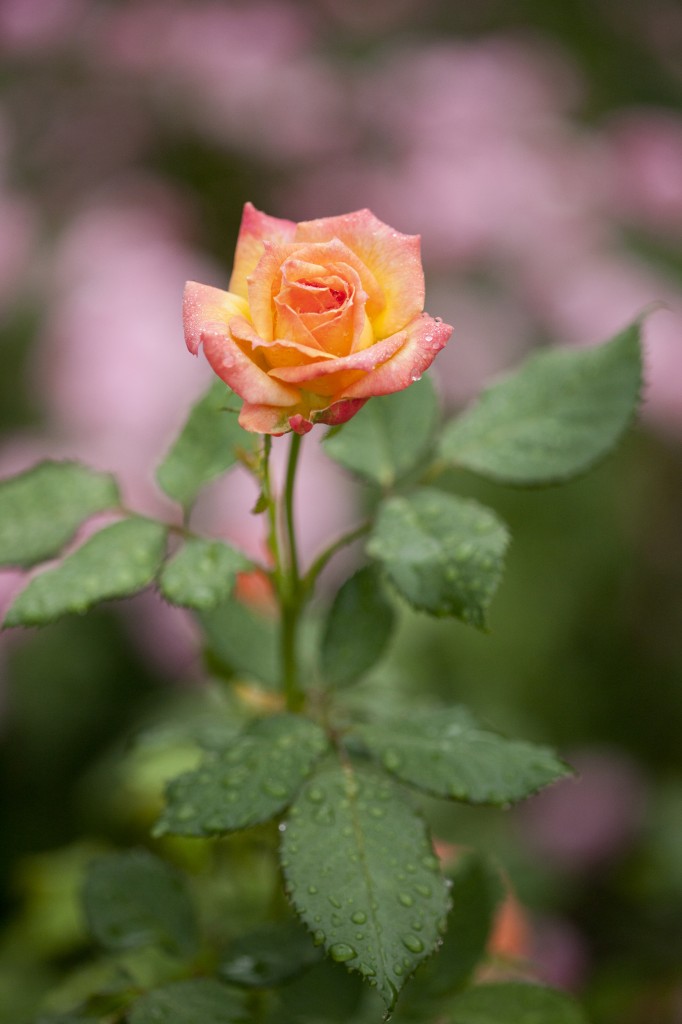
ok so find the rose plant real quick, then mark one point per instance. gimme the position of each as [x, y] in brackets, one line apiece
[325, 896]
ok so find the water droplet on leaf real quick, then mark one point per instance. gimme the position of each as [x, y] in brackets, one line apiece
[341, 952]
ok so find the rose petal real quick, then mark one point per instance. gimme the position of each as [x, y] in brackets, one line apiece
[208, 309]
[424, 338]
[256, 228]
[264, 419]
[242, 374]
[340, 412]
[314, 261]
[335, 376]
[393, 259]
[281, 352]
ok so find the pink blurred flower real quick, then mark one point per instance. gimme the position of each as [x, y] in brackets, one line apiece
[559, 953]
[119, 272]
[245, 75]
[30, 25]
[579, 824]
[647, 168]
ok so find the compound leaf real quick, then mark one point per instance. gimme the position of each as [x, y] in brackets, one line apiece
[202, 573]
[443, 553]
[199, 1001]
[242, 641]
[556, 416]
[116, 562]
[476, 894]
[389, 436]
[269, 955]
[514, 1001]
[357, 629]
[446, 752]
[361, 873]
[207, 445]
[251, 781]
[41, 509]
[135, 899]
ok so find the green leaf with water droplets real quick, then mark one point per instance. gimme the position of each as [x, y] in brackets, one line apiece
[446, 752]
[361, 873]
[198, 1001]
[207, 445]
[443, 553]
[250, 781]
[389, 436]
[553, 418]
[519, 1002]
[357, 630]
[202, 573]
[116, 562]
[135, 899]
[41, 509]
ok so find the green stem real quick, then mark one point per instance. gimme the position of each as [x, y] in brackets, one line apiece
[290, 591]
[289, 507]
[309, 580]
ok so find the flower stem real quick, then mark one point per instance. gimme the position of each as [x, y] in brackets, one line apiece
[290, 590]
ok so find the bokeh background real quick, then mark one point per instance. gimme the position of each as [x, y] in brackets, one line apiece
[537, 148]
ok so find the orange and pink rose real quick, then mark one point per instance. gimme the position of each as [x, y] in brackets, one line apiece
[319, 317]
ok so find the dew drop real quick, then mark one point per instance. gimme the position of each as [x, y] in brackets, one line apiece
[424, 890]
[341, 952]
[405, 899]
[334, 902]
[312, 889]
[413, 943]
[377, 812]
[315, 795]
[359, 917]
[324, 816]
[398, 969]
[274, 789]
[391, 760]
[318, 937]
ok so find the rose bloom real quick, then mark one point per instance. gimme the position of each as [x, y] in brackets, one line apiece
[320, 316]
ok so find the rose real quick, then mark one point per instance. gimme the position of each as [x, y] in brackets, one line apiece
[320, 316]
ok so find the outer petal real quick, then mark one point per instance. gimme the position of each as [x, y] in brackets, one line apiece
[208, 309]
[393, 258]
[423, 340]
[340, 412]
[264, 419]
[242, 374]
[256, 228]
